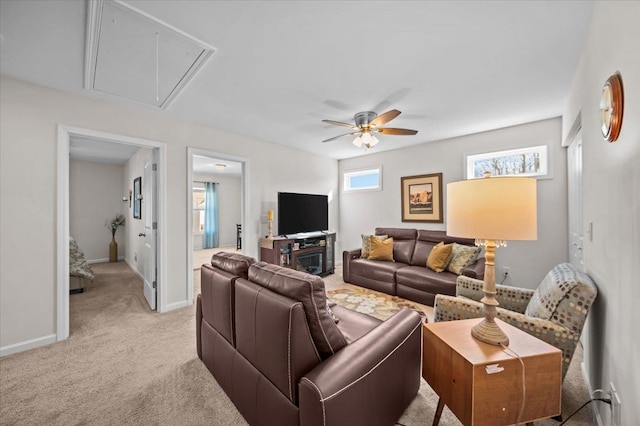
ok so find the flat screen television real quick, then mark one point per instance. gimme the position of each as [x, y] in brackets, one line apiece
[302, 213]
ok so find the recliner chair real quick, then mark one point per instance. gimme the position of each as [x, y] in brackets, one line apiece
[284, 358]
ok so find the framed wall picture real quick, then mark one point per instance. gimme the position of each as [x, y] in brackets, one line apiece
[422, 198]
[137, 198]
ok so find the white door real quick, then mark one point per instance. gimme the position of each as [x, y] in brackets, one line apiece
[150, 230]
[574, 170]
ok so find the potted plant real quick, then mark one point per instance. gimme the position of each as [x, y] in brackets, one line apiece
[115, 223]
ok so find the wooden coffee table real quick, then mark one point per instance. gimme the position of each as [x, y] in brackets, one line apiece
[458, 368]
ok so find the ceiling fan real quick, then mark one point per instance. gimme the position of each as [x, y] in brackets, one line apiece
[368, 122]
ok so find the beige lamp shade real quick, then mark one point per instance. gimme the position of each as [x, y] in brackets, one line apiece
[493, 208]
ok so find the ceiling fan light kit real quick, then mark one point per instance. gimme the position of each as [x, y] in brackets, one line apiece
[366, 139]
[367, 122]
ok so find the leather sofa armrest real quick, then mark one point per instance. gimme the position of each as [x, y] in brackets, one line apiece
[199, 325]
[347, 257]
[476, 270]
[345, 389]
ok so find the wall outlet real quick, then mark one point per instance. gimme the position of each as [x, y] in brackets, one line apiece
[135, 256]
[616, 405]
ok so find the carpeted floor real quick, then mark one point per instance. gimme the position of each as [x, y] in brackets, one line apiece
[124, 364]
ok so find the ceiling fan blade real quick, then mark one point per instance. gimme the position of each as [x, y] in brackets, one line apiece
[384, 118]
[338, 137]
[394, 131]
[340, 123]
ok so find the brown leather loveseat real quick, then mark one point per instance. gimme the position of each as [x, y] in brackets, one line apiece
[408, 276]
[266, 335]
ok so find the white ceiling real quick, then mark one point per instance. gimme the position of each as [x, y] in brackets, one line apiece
[207, 165]
[451, 67]
[100, 151]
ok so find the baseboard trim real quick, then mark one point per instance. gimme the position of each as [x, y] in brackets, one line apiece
[594, 406]
[177, 305]
[104, 260]
[29, 344]
[134, 269]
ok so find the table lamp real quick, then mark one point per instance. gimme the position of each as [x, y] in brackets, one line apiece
[492, 210]
[270, 220]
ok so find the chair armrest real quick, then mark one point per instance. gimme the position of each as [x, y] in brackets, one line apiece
[347, 388]
[476, 270]
[512, 298]
[449, 308]
[347, 256]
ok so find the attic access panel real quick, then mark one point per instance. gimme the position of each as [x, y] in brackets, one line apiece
[135, 56]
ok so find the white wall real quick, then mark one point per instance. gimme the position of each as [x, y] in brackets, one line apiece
[229, 206]
[611, 201]
[30, 117]
[362, 212]
[135, 253]
[95, 198]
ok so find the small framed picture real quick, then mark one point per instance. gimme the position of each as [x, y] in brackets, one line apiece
[422, 198]
[137, 198]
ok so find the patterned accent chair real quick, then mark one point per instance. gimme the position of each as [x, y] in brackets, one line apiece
[555, 312]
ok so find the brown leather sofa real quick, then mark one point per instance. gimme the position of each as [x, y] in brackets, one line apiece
[266, 335]
[408, 276]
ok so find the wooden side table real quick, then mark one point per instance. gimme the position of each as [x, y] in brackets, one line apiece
[457, 367]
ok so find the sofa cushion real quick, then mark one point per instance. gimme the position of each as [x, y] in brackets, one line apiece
[354, 325]
[439, 257]
[381, 249]
[308, 289]
[376, 270]
[235, 264]
[421, 252]
[366, 244]
[404, 241]
[462, 256]
[426, 280]
[555, 286]
[426, 240]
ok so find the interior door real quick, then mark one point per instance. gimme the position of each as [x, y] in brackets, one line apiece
[150, 229]
[574, 169]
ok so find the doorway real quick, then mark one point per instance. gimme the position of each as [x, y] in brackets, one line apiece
[574, 171]
[65, 133]
[216, 207]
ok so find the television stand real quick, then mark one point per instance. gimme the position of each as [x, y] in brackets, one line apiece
[312, 252]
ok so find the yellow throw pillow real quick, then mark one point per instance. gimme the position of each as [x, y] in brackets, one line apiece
[381, 249]
[440, 256]
[366, 244]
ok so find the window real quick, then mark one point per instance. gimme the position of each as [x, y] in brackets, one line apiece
[531, 161]
[198, 209]
[361, 180]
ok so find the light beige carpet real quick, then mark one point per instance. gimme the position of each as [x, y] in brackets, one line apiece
[124, 364]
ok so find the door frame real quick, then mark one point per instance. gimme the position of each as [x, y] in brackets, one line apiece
[62, 220]
[244, 200]
[150, 268]
[575, 191]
